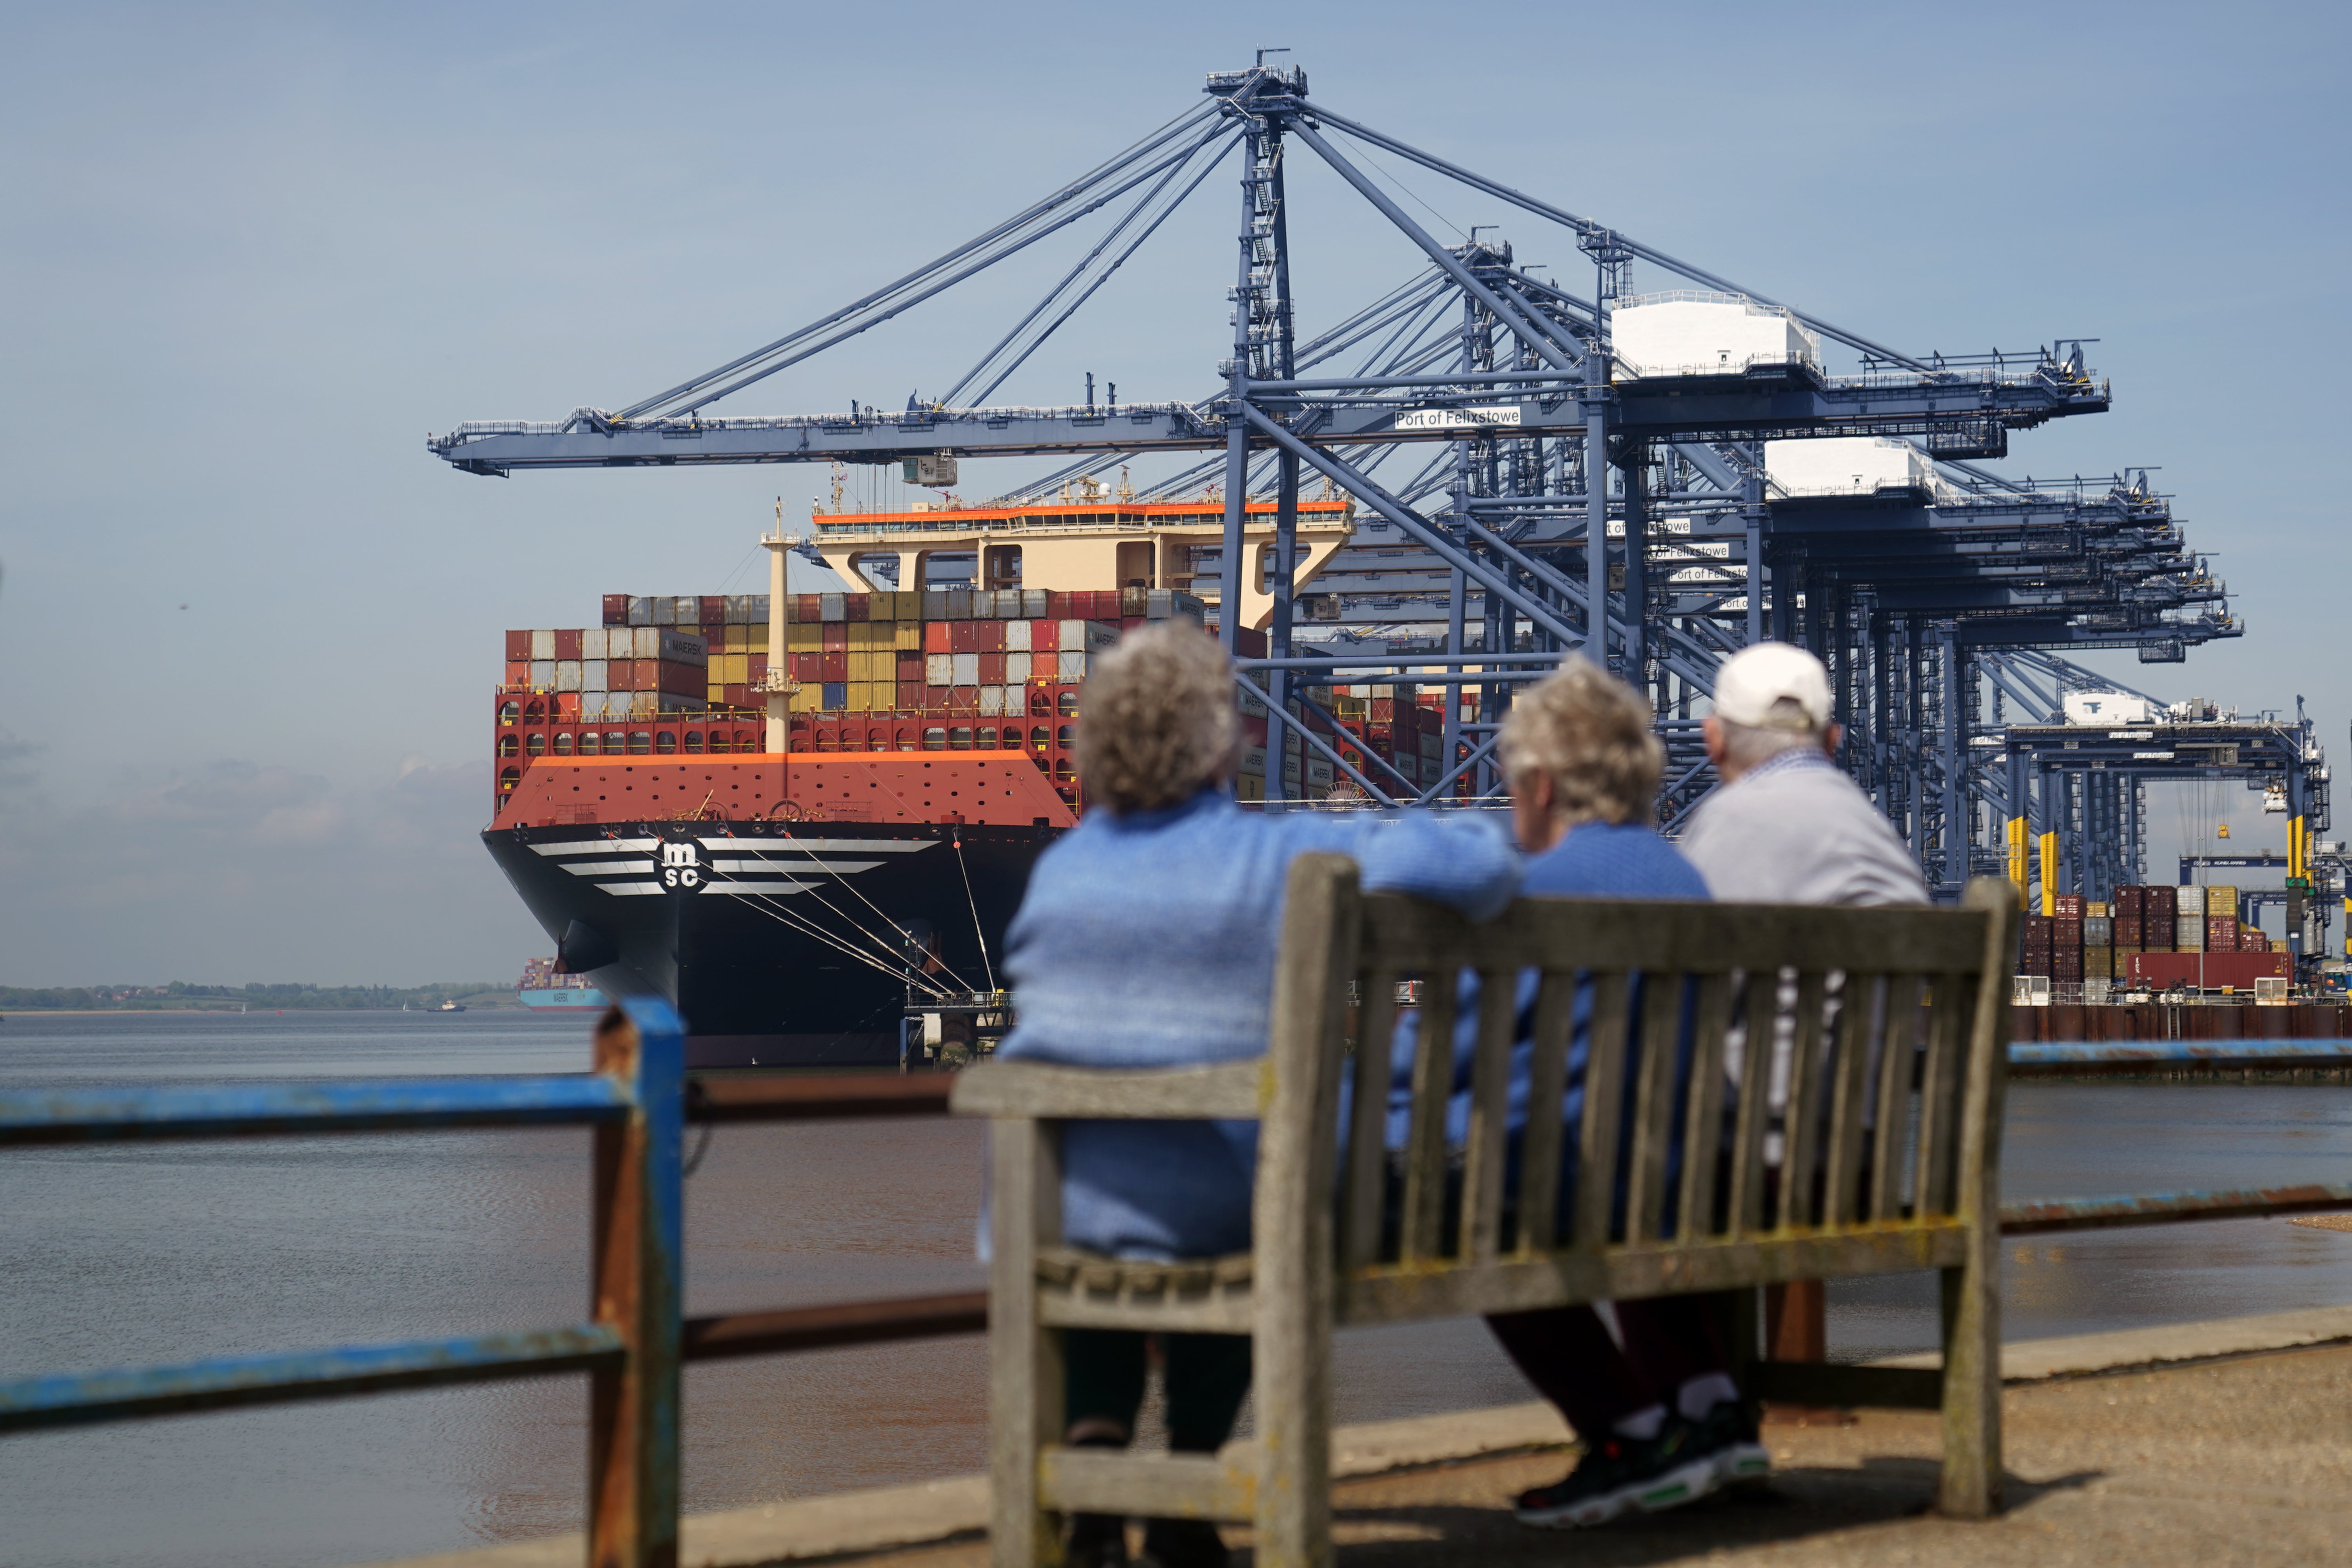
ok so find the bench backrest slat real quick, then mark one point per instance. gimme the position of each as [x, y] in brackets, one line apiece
[1745, 1072]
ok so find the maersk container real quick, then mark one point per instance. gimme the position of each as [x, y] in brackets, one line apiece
[683, 648]
[1692, 332]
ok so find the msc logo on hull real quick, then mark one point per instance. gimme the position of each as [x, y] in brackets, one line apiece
[680, 867]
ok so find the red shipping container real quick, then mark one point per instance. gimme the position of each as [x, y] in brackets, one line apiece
[2220, 933]
[567, 705]
[2128, 929]
[756, 668]
[2160, 906]
[836, 665]
[519, 645]
[963, 699]
[853, 606]
[2066, 930]
[938, 637]
[617, 609]
[990, 635]
[518, 672]
[715, 635]
[567, 644]
[808, 666]
[991, 670]
[910, 696]
[836, 635]
[963, 637]
[621, 675]
[712, 609]
[1131, 623]
[1058, 605]
[736, 696]
[1043, 635]
[1250, 642]
[2209, 970]
[1253, 731]
[808, 606]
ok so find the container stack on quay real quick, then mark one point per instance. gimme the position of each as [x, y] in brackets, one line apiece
[2159, 962]
[955, 670]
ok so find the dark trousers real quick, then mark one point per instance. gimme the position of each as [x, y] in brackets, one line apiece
[1207, 1376]
[1568, 1353]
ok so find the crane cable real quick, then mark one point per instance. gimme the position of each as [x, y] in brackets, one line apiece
[975, 904]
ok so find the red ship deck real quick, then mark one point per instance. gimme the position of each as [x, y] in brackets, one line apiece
[1000, 788]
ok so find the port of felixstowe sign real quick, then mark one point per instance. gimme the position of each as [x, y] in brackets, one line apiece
[1458, 418]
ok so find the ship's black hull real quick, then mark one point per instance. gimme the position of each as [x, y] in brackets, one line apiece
[780, 943]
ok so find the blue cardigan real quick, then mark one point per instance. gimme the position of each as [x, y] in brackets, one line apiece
[1594, 861]
[1148, 941]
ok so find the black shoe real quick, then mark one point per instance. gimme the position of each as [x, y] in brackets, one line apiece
[1097, 1540]
[1183, 1544]
[1621, 1475]
[1728, 1436]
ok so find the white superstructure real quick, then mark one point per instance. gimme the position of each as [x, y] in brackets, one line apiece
[1691, 332]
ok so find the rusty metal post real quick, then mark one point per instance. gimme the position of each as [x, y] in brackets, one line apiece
[632, 1425]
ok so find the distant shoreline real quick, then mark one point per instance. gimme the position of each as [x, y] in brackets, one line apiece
[239, 1012]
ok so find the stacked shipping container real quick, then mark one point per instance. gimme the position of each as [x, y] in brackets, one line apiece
[2153, 936]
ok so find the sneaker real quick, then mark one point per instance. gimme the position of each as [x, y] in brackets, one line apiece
[1097, 1540]
[1728, 1436]
[1621, 1475]
[1183, 1544]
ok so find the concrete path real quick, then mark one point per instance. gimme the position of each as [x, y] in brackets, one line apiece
[2215, 1446]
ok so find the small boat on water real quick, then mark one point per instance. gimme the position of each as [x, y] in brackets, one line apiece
[451, 1007]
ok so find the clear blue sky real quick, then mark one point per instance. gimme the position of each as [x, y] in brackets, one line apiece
[253, 254]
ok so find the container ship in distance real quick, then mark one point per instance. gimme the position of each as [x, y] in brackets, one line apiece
[545, 989]
[795, 850]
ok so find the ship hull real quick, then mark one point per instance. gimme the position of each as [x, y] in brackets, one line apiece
[781, 944]
[564, 999]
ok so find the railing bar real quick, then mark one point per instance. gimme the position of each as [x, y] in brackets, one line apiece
[716, 1100]
[65, 1399]
[835, 1323]
[298, 1109]
[2160, 1208]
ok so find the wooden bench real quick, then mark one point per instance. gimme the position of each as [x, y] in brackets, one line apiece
[1920, 1018]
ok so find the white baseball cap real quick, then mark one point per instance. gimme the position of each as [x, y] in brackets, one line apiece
[1773, 686]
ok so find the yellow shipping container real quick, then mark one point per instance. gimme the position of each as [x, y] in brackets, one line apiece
[739, 640]
[715, 694]
[861, 697]
[1249, 789]
[907, 606]
[909, 637]
[861, 635]
[805, 636]
[805, 700]
[735, 668]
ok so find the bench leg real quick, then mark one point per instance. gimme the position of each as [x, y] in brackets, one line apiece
[1024, 1360]
[1970, 1485]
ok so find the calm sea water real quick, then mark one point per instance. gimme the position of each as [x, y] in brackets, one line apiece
[119, 1255]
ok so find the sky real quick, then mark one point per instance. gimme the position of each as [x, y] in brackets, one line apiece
[253, 254]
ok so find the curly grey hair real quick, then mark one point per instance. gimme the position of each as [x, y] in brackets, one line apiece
[1590, 731]
[1158, 724]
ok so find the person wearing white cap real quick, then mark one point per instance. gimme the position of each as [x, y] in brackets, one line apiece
[1786, 826]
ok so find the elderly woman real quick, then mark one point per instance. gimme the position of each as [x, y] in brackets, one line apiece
[1661, 1419]
[1147, 940]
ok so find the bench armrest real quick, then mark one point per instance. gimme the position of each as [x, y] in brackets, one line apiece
[1049, 1091]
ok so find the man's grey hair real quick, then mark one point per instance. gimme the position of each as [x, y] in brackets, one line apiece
[1747, 746]
[1156, 722]
[1592, 733]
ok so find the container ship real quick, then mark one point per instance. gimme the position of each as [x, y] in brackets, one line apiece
[545, 987]
[805, 855]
